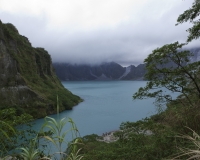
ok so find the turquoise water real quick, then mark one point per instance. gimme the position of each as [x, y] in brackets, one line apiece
[106, 104]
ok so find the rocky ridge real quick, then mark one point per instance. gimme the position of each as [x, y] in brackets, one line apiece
[104, 71]
[107, 71]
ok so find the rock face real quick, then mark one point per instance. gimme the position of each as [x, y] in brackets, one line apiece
[135, 73]
[104, 71]
[196, 55]
[27, 78]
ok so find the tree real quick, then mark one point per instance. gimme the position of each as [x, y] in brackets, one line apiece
[191, 15]
[168, 67]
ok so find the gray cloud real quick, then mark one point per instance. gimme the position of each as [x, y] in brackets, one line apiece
[126, 43]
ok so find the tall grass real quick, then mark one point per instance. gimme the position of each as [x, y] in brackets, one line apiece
[57, 138]
[31, 152]
[5, 134]
[192, 152]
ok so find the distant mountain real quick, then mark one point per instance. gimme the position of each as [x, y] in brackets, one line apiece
[107, 71]
[104, 71]
[196, 53]
[134, 73]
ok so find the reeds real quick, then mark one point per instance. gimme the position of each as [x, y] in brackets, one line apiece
[192, 152]
[57, 138]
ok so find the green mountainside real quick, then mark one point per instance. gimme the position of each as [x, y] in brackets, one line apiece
[27, 78]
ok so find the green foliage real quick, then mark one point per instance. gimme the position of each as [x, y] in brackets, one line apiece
[30, 153]
[142, 140]
[57, 136]
[74, 149]
[4, 135]
[75, 156]
[32, 144]
[192, 15]
[9, 135]
[168, 67]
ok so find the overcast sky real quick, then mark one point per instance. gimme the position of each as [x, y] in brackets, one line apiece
[95, 31]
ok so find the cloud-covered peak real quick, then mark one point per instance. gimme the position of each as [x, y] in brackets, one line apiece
[124, 31]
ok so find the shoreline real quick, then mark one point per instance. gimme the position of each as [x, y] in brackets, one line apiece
[108, 137]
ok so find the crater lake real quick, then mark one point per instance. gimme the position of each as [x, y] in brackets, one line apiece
[106, 105]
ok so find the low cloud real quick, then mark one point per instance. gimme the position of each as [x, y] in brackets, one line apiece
[126, 39]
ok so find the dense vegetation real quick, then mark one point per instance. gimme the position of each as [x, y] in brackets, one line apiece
[170, 134]
[28, 82]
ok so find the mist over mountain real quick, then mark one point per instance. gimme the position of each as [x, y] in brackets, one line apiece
[196, 55]
[107, 70]
[103, 71]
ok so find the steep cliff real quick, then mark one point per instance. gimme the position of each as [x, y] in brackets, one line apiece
[27, 78]
[135, 73]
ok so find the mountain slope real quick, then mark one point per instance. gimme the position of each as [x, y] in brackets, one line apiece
[104, 71]
[196, 55]
[135, 73]
[27, 78]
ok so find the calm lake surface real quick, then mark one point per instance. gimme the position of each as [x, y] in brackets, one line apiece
[106, 104]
